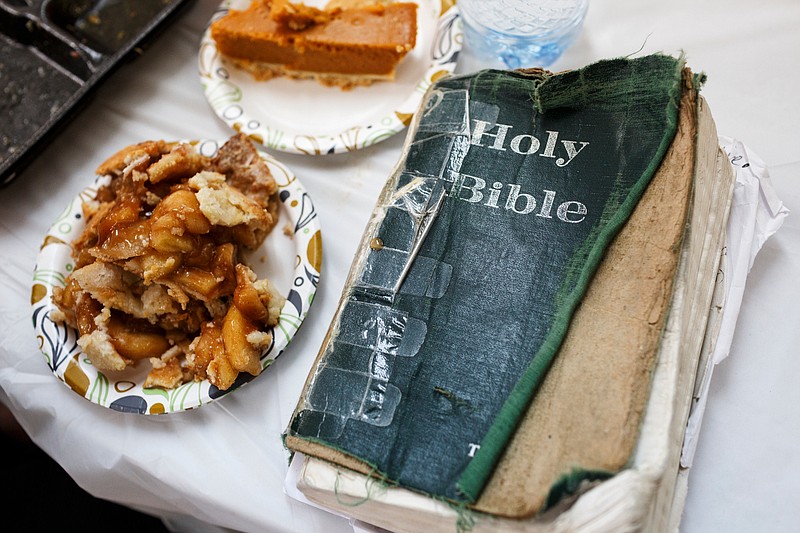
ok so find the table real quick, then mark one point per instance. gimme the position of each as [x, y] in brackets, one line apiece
[222, 466]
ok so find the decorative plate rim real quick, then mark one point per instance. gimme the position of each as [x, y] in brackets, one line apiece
[224, 96]
[58, 342]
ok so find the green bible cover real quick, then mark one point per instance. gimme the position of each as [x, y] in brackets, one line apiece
[486, 236]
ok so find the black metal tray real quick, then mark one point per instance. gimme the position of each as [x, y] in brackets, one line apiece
[53, 53]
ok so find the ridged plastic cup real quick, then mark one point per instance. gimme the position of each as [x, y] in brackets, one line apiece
[522, 33]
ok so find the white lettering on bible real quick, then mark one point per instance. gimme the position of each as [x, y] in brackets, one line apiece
[510, 197]
[494, 136]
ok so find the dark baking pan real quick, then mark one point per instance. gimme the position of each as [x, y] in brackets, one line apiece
[53, 53]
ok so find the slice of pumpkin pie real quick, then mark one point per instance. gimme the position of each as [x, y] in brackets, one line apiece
[346, 44]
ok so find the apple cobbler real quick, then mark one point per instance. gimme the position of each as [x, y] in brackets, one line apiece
[159, 271]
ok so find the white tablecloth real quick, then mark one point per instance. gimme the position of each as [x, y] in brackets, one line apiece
[223, 465]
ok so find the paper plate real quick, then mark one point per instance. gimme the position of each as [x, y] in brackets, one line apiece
[291, 263]
[305, 117]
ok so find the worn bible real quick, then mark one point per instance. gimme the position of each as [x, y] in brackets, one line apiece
[516, 344]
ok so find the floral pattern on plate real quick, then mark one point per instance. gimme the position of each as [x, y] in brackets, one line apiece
[124, 392]
[304, 117]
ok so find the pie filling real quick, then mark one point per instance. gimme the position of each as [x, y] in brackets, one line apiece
[344, 46]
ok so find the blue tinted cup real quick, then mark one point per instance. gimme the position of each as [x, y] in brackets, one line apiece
[522, 33]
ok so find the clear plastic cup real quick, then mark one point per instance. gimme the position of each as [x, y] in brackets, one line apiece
[522, 33]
